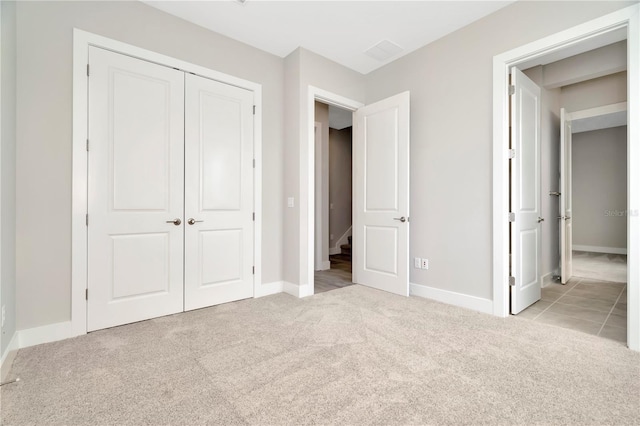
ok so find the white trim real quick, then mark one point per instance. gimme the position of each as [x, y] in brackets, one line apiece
[598, 249]
[597, 111]
[452, 298]
[45, 334]
[307, 177]
[325, 265]
[268, 289]
[8, 356]
[629, 18]
[81, 42]
[298, 290]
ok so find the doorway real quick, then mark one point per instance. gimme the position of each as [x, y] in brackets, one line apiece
[333, 197]
[608, 29]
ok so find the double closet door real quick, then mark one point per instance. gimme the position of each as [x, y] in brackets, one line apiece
[170, 191]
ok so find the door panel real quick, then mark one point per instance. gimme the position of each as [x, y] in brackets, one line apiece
[136, 112]
[381, 195]
[525, 193]
[218, 193]
[566, 228]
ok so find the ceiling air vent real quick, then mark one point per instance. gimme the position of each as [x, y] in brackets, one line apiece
[384, 50]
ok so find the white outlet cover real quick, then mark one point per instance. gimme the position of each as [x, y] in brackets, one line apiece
[425, 263]
[290, 202]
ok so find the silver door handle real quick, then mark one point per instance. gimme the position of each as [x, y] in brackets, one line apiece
[192, 221]
[540, 219]
[401, 219]
[176, 221]
[564, 217]
[556, 193]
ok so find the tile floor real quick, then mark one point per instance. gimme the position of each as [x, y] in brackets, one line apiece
[584, 304]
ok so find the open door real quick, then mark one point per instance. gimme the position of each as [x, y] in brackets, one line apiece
[526, 249]
[381, 195]
[566, 246]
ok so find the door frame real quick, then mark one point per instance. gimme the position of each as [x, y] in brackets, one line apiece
[82, 40]
[315, 94]
[629, 19]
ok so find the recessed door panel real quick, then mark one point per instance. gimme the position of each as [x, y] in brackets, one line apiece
[381, 160]
[140, 265]
[220, 257]
[135, 190]
[376, 260]
[140, 140]
[221, 148]
[218, 193]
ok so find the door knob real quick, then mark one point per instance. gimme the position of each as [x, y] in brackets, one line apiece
[176, 221]
[401, 219]
[540, 219]
[564, 217]
[192, 221]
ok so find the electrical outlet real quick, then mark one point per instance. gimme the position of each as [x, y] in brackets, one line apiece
[3, 315]
[425, 264]
[290, 202]
[417, 263]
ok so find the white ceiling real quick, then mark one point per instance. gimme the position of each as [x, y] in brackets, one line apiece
[338, 30]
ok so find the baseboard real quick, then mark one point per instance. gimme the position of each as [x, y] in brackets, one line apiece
[452, 298]
[298, 290]
[45, 334]
[547, 279]
[268, 289]
[8, 356]
[598, 249]
[334, 250]
[326, 265]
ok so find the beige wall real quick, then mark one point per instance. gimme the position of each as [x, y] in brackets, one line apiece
[599, 161]
[605, 90]
[44, 122]
[340, 183]
[451, 136]
[303, 69]
[8, 167]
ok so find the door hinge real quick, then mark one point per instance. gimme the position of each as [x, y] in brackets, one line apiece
[254, 110]
[253, 270]
[512, 281]
[254, 163]
[512, 217]
[254, 216]
[512, 154]
[87, 70]
[86, 294]
[87, 145]
[86, 219]
[512, 90]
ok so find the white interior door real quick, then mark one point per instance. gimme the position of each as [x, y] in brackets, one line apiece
[219, 229]
[566, 231]
[526, 249]
[135, 188]
[381, 195]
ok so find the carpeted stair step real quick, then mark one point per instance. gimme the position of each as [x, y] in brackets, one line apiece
[346, 249]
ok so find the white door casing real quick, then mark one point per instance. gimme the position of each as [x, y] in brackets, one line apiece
[525, 192]
[565, 213]
[135, 190]
[381, 195]
[219, 227]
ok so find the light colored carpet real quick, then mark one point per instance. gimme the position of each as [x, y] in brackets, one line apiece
[349, 356]
[600, 266]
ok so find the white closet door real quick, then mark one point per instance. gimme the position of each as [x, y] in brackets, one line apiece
[136, 160]
[219, 210]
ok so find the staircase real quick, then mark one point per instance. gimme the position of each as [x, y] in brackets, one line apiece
[345, 250]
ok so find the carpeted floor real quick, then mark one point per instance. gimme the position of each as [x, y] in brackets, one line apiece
[348, 356]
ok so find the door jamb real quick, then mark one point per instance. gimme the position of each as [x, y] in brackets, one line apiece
[316, 94]
[82, 40]
[628, 18]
